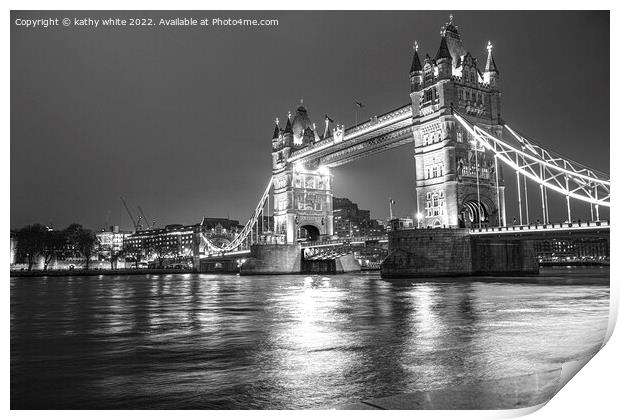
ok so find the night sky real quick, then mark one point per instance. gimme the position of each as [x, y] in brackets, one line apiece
[179, 120]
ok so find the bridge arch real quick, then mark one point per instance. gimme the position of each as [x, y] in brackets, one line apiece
[473, 213]
[309, 232]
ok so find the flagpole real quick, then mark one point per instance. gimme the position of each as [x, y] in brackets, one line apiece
[357, 105]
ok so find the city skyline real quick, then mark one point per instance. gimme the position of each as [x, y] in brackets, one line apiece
[186, 135]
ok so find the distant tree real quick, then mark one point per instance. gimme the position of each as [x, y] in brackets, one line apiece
[72, 233]
[134, 250]
[30, 243]
[114, 255]
[81, 241]
[53, 243]
[161, 251]
[86, 241]
[177, 251]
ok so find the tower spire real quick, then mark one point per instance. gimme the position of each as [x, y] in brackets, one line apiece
[289, 126]
[416, 65]
[276, 131]
[443, 51]
[490, 66]
[491, 74]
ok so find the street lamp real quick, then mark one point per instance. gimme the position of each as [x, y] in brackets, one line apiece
[475, 144]
[419, 216]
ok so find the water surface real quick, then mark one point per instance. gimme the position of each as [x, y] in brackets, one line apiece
[207, 341]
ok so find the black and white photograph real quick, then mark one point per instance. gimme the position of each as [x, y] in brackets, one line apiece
[308, 209]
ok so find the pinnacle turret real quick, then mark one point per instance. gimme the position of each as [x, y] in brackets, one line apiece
[276, 131]
[490, 67]
[491, 74]
[289, 126]
[416, 65]
[443, 51]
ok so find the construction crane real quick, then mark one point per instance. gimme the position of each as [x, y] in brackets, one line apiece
[136, 225]
[148, 224]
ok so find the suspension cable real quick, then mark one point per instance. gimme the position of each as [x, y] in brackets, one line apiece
[549, 170]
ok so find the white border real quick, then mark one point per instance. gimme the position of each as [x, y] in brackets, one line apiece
[592, 394]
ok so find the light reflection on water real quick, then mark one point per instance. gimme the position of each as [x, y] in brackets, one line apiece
[206, 341]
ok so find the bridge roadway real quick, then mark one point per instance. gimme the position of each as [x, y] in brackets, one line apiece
[534, 231]
[230, 261]
[357, 240]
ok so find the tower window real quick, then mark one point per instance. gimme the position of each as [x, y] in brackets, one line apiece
[435, 204]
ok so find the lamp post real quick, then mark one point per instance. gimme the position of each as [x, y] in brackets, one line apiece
[419, 216]
[475, 142]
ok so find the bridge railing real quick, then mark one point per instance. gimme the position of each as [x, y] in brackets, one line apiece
[549, 226]
[342, 241]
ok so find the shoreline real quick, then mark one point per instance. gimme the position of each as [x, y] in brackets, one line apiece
[548, 278]
[86, 273]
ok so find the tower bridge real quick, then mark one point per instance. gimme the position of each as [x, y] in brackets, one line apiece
[463, 150]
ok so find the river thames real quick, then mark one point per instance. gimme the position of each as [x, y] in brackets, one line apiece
[288, 342]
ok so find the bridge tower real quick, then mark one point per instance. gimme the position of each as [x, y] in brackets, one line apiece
[302, 193]
[458, 183]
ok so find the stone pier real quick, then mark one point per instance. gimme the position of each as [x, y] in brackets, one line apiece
[337, 265]
[272, 259]
[454, 252]
[287, 259]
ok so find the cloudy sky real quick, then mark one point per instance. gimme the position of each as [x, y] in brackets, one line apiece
[179, 120]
